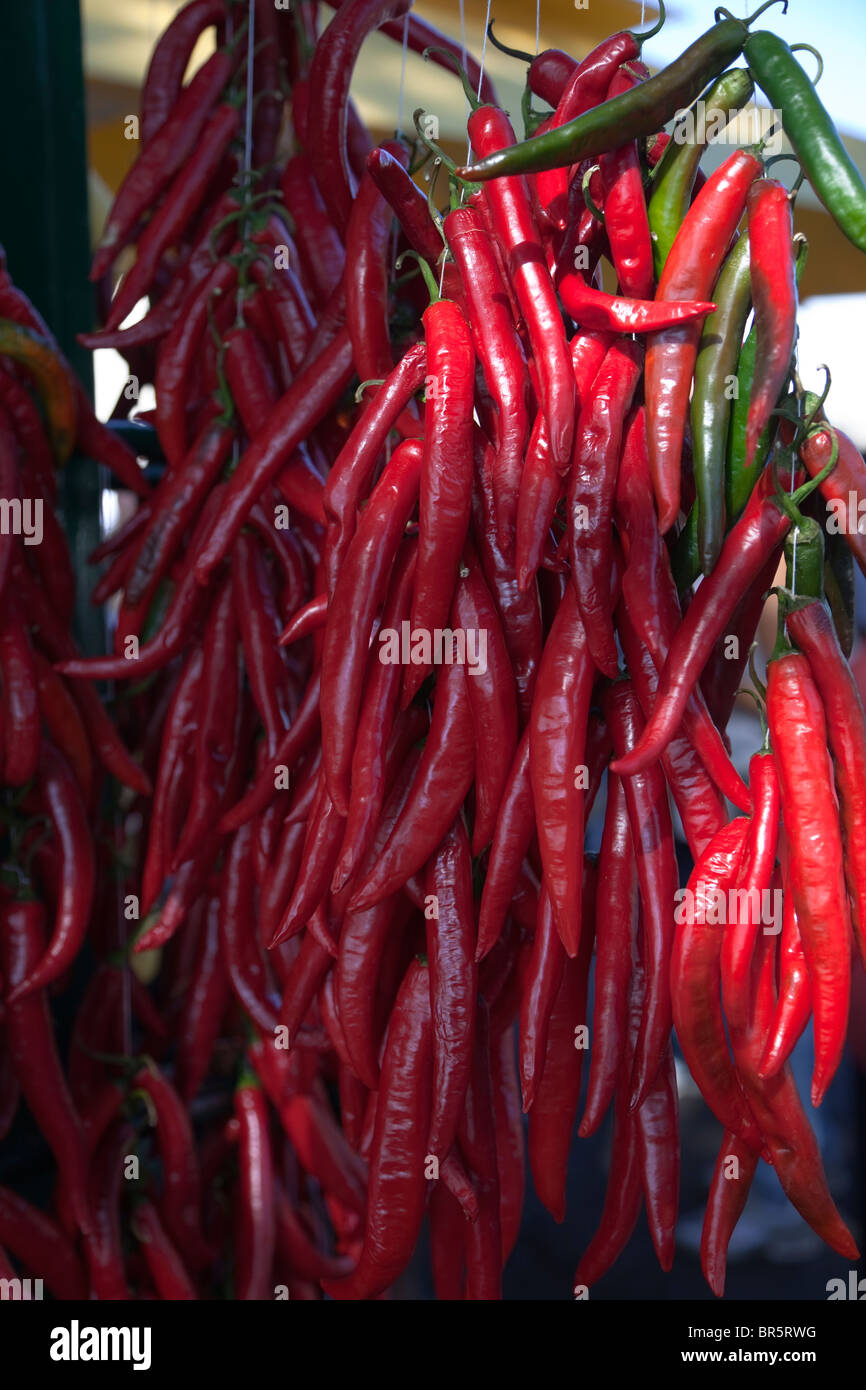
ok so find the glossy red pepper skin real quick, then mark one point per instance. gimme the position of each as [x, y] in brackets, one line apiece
[35, 1239]
[375, 724]
[756, 535]
[615, 930]
[169, 60]
[540, 986]
[204, 1007]
[593, 309]
[293, 744]
[798, 730]
[689, 273]
[165, 152]
[658, 1141]
[492, 699]
[319, 245]
[357, 597]
[397, 1188]
[652, 836]
[59, 794]
[442, 780]
[166, 1267]
[22, 734]
[776, 1105]
[30, 1039]
[558, 724]
[584, 87]
[478, 1145]
[625, 215]
[515, 824]
[329, 80]
[180, 1202]
[511, 212]
[695, 979]
[843, 488]
[811, 628]
[774, 297]
[255, 1210]
[103, 1244]
[794, 1005]
[176, 211]
[557, 1092]
[756, 877]
[591, 489]
[541, 484]
[447, 473]
[499, 351]
[453, 974]
[353, 469]
[729, 1190]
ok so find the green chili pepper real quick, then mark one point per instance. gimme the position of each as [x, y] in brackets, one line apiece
[804, 559]
[639, 112]
[824, 159]
[674, 176]
[715, 376]
[839, 589]
[739, 480]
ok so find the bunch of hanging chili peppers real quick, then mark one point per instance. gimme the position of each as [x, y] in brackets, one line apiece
[414, 590]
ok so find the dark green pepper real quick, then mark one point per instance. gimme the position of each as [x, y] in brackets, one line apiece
[808, 125]
[640, 112]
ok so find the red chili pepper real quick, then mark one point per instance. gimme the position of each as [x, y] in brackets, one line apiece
[658, 1142]
[774, 296]
[255, 1211]
[294, 742]
[622, 1201]
[182, 133]
[168, 62]
[591, 488]
[812, 629]
[22, 733]
[296, 1247]
[177, 354]
[754, 888]
[843, 489]
[312, 394]
[652, 836]
[204, 1007]
[356, 599]
[585, 86]
[519, 609]
[41, 1246]
[446, 476]
[794, 1006]
[317, 239]
[594, 309]
[798, 732]
[323, 1150]
[492, 698]
[557, 1092]
[180, 1202]
[406, 201]
[453, 979]
[729, 1190]
[29, 431]
[558, 725]
[478, 1144]
[776, 1105]
[689, 273]
[541, 485]
[615, 929]
[757, 534]
[696, 978]
[397, 1186]
[330, 77]
[57, 791]
[511, 212]
[441, 782]
[103, 1244]
[509, 1137]
[242, 954]
[176, 211]
[164, 1263]
[259, 623]
[625, 214]
[30, 1039]
[499, 352]
[515, 824]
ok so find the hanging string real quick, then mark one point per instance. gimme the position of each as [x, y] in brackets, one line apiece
[537, 27]
[403, 74]
[642, 12]
[484, 49]
[248, 115]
